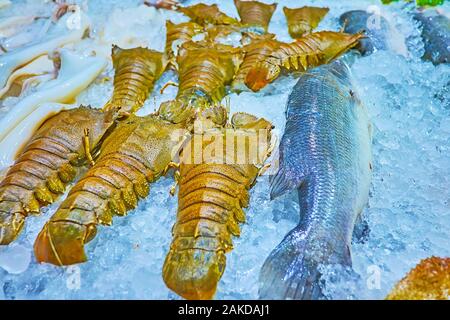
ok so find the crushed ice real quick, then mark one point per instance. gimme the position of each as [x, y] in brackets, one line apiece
[409, 206]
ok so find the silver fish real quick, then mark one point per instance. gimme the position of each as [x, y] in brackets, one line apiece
[435, 35]
[375, 28]
[325, 153]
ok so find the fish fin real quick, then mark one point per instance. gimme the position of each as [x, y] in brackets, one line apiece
[282, 182]
[292, 269]
[361, 231]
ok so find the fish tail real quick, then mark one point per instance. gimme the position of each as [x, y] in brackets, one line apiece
[292, 269]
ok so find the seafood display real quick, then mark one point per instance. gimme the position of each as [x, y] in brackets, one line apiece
[211, 199]
[71, 138]
[429, 280]
[152, 162]
[325, 154]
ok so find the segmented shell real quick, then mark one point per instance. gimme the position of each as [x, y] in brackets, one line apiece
[207, 14]
[303, 20]
[47, 164]
[258, 60]
[211, 199]
[136, 71]
[206, 70]
[132, 157]
[177, 34]
[315, 49]
[255, 14]
[266, 57]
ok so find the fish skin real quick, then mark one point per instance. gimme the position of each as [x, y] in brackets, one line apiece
[435, 35]
[325, 154]
[357, 20]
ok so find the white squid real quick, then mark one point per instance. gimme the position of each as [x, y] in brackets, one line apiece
[75, 75]
[40, 66]
[70, 28]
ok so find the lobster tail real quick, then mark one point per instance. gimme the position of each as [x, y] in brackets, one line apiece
[303, 20]
[62, 242]
[203, 73]
[204, 14]
[315, 49]
[266, 57]
[177, 34]
[255, 14]
[210, 204]
[132, 157]
[196, 260]
[46, 165]
[211, 199]
[136, 71]
[206, 70]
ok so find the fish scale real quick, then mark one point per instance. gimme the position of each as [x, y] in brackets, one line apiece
[325, 155]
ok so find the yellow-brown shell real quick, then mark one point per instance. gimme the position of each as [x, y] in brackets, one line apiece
[315, 49]
[177, 34]
[255, 14]
[133, 156]
[265, 57]
[259, 67]
[303, 20]
[206, 69]
[47, 164]
[136, 71]
[204, 14]
[429, 280]
[211, 199]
